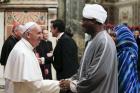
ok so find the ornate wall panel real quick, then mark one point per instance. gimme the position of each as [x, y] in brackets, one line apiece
[126, 15]
[23, 17]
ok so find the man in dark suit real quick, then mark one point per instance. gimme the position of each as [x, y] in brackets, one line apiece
[8, 45]
[65, 53]
[44, 50]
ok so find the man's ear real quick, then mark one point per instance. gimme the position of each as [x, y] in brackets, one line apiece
[28, 35]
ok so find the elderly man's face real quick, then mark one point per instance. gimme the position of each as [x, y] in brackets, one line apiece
[18, 31]
[18, 34]
[35, 36]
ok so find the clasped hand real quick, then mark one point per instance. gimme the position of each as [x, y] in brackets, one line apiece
[64, 85]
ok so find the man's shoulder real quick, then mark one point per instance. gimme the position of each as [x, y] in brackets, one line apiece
[66, 37]
[9, 42]
[10, 39]
[20, 46]
[102, 38]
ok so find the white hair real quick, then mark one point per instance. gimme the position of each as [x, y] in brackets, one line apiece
[19, 28]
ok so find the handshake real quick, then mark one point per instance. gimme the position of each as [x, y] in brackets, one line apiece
[64, 85]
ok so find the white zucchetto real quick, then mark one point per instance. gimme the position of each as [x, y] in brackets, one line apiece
[28, 25]
[95, 11]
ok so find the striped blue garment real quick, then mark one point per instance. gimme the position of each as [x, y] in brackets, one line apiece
[127, 52]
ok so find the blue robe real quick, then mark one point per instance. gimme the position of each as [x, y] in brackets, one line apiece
[127, 52]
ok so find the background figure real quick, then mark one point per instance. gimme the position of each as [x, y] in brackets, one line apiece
[137, 37]
[113, 35]
[98, 67]
[65, 53]
[44, 49]
[22, 68]
[8, 45]
[69, 31]
[127, 52]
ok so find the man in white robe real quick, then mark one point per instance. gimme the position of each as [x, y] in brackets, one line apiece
[22, 68]
[98, 67]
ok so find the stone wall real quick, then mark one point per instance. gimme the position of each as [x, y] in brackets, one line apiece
[71, 12]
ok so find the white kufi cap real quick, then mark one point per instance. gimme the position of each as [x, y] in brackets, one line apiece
[28, 25]
[95, 11]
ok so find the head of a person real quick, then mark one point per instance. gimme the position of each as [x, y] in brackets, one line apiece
[69, 31]
[18, 30]
[45, 34]
[57, 26]
[113, 35]
[33, 33]
[94, 15]
[136, 34]
[124, 38]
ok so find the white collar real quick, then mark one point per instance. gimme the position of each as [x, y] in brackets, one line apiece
[59, 36]
[27, 43]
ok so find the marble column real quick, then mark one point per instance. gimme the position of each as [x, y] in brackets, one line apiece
[71, 12]
[1, 42]
[61, 9]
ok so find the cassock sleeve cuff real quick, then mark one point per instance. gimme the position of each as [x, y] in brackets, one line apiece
[73, 85]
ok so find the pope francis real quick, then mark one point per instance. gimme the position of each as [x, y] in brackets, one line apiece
[22, 69]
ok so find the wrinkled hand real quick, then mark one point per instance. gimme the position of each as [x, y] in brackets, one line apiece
[65, 85]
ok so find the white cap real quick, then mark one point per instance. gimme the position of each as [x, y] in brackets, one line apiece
[95, 11]
[28, 25]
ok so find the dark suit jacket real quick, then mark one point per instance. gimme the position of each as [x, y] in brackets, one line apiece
[6, 49]
[65, 57]
[138, 43]
[42, 49]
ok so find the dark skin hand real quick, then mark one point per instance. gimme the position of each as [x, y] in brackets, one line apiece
[64, 85]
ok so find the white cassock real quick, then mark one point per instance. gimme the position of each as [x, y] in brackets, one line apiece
[23, 71]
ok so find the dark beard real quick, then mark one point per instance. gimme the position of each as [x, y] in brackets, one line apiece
[90, 32]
